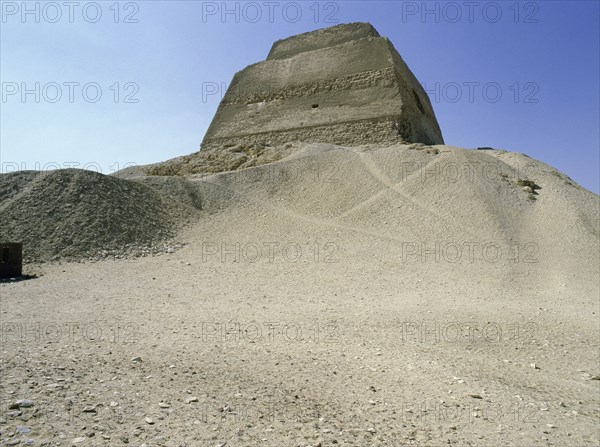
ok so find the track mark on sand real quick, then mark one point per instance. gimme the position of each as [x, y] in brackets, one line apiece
[307, 218]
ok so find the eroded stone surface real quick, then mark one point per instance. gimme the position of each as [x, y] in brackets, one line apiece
[344, 85]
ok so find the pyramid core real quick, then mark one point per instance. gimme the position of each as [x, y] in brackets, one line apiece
[345, 85]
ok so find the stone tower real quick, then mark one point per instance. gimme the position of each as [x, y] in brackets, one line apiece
[344, 85]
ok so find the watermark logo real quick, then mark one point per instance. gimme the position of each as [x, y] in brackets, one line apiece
[70, 12]
[490, 92]
[467, 331]
[470, 12]
[453, 92]
[453, 252]
[325, 173]
[69, 92]
[269, 332]
[8, 167]
[451, 172]
[270, 12]
[245, 413]
[253, 252]
[435, 412]
[59, 411]
[69, 332]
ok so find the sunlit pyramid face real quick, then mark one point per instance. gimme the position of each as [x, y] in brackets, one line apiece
[345, 85]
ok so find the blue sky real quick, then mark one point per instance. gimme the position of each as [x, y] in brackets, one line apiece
[138, 82]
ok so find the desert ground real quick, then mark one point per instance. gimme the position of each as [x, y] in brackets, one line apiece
[365, 296]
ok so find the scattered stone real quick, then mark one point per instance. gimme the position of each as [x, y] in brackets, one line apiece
[149, 421]
[163, 405]
[79, 440]
[21, 429]
[23, 403]
[534, 366]
[189, 400]
[111, 218]
[475, 396]
[136, 359]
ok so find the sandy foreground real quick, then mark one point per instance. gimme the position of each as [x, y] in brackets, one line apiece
[345, 303]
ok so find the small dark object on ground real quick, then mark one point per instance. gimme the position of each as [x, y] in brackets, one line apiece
[11, 260]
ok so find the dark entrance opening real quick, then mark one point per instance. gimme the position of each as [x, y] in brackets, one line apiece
[11, 260]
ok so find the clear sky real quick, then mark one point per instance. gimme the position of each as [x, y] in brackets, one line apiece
[103, 84]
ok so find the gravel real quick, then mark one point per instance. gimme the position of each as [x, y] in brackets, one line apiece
[72, 214]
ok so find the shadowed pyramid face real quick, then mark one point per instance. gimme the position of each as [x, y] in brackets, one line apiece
[343, 85]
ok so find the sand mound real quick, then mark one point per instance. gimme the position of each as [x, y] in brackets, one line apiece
[74, 214]
[440, 206]
[410, 196]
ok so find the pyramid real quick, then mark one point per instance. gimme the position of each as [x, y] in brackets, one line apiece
[344, 84]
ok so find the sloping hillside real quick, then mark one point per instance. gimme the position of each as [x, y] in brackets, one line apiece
[74, 214]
